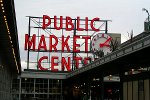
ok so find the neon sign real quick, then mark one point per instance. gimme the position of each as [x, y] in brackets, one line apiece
[52, 44]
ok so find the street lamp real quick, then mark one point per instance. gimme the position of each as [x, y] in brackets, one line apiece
[143, 9]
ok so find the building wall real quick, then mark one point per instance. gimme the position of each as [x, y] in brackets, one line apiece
[136, 90]
[5, 81]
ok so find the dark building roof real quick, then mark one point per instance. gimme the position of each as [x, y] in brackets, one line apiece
[9, 35]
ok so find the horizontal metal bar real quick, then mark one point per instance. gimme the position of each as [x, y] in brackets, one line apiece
[64, 37]
[50, 62]
[72, 19]
[65, 51]
[62, 28]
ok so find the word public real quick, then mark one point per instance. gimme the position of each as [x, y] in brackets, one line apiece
[52, 44]
[69, 25]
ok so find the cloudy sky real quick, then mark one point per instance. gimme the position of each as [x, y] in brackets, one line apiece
[125, 14]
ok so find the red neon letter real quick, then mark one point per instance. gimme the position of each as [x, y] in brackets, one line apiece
[77, 61]
[39, 63]
[65, 43]
[86, 60]
[92, 24]
[29, 42]
[78, 24]
[86, 23]
[55, 23]
[53, 64]
[75, 45]
[86, 42]
[64, 63]
[44, 21]
[53, 45]
[42, 40]
[69, 22]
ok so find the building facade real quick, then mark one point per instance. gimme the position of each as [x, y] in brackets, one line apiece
[9, 49]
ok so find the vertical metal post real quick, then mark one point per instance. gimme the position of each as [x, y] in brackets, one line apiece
[61, 52]
[20, 88]
[34, 87]
[28, 45]
[48, 89]
[38, 43]
[74, 54]
[106, 27]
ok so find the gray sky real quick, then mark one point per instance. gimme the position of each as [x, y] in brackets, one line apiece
[125, 14]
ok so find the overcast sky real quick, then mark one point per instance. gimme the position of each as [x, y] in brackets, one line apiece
[125, 14]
